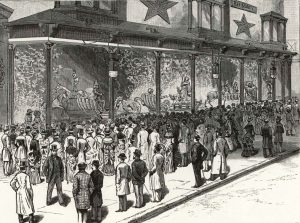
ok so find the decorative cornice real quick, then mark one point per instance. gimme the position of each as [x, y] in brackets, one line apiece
[5, 11]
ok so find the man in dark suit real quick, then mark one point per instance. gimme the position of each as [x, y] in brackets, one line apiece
[139, 172]
[54, 171]
[198, 155]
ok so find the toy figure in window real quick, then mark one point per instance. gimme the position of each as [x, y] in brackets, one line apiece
[250, 91]
[185, 88]
[28, 117]
[269, 87]
[98, 97]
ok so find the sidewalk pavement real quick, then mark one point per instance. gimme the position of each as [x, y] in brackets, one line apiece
[179, 190]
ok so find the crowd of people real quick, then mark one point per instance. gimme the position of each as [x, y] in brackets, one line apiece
[131, 148]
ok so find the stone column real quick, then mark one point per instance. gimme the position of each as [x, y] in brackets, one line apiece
[220, 82]
[111, 84]
[259, 79]
[48, 57]
[289, 78]
[190, 14]
[242, 81]
[193, 80]
[199, 12]
[282, 66]
[158, 80]
[10, 84]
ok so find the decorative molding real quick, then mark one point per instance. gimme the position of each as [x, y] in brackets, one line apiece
[2, 73]
[262, 53]
[244, 52]
[223, 49]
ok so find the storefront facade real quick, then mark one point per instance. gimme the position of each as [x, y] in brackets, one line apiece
[82, 60]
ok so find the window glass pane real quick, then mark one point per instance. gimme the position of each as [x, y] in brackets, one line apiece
[67, 2]
[195, 14]
[280, 32]
[105, 4]
[87, 3]
[266, 31]
[275, 31]
[217, 18]
[206, 15]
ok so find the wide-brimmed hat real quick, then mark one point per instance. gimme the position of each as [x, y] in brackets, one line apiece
[137, 152]
[122, 156]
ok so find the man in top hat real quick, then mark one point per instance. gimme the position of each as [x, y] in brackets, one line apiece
[108, 150]
[267, 144]
[139, 172]
[24, 194]
[54, 171]
[60, 149]
[198, 155]
[123, 177]
[278, 135]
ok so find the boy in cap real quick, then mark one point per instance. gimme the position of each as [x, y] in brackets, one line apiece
[139, 172]
[123, 177]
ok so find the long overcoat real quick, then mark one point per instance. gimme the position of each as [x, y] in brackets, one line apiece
[24, 202]
[82, 189]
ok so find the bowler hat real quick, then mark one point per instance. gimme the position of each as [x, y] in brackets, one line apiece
[122, 156]
[107, 131]
[43, 132]
[137, 152]
[266, 120]
[23, 164]
[82, 165]
[56, 136]
[53, 148]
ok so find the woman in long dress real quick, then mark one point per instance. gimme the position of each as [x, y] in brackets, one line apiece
[22, 186]
[154, 140]
[157, 178]
[169, 156]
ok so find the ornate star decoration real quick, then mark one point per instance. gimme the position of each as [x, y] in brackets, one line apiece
[243, 26]
[158, 7]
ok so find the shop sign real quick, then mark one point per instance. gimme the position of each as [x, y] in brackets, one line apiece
[243, 6]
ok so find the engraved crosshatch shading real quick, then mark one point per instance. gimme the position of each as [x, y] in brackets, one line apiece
[149, 111]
